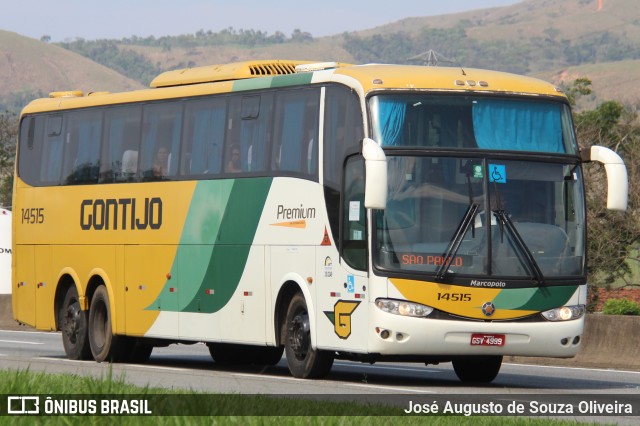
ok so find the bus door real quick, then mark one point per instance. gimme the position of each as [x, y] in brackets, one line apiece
[342, 290]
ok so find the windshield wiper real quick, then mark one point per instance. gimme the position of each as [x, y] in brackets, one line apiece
[505, 220]
[454, 244]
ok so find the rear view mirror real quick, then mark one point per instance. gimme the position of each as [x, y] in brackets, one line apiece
[375, 192]
[617, 180]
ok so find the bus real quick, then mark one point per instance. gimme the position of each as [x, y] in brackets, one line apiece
[325, 210]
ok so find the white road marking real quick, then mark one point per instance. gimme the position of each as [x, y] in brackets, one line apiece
[150, 367]
[30, 332]
[566, 367]
[255, 376]
[21, 342]
[371, 386]
[387, 388]
[48, 358]
[158, 367]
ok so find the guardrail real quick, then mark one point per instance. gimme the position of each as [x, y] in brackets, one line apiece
[609, 341]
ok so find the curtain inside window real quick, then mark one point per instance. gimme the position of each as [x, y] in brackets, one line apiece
[517, 126]
[391, 115]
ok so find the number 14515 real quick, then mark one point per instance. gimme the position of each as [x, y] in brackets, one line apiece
[33, 216]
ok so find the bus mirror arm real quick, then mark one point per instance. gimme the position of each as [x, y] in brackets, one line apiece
[617, 180]
[375, 192]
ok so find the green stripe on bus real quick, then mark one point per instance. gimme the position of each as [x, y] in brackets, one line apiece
[275, 81]
[292, 79]
[251, 84]
[215, 243]
[537, 299]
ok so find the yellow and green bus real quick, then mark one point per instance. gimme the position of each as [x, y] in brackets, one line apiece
[325, 210]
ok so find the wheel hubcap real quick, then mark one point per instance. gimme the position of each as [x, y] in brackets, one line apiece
[299, 335]
[70, 322]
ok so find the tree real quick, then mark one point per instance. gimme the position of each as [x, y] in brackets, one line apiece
[580, 87]
[613, 236]
[8, 138]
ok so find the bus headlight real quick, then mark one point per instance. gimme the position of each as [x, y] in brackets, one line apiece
[404, 308]
[564, 313]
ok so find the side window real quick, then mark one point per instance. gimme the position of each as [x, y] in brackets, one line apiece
[295, 144]
[121, 144]
[204, 136]
[53, 150]
[30, 149]
[82, 147]
[161, 132]
[247, 144]
[354, 248]
[343, 131]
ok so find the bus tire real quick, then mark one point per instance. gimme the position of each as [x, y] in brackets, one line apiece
[304, 361]
[104, 345]
[73, 323]
[481, 369]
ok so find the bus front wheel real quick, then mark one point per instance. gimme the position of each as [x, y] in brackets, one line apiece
[72, 322]
[477, 369]
[104, 345]
[304, 361]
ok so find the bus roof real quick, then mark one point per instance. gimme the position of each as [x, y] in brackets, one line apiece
[412, 77]
[269, 73]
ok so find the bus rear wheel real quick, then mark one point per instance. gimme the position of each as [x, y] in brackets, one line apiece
[104, 345]
[72, 322]
[304, 361]
[482, 369]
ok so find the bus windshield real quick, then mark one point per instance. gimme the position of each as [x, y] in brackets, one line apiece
[519, 207]
[472, 122]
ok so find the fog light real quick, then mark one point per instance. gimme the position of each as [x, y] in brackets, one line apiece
[564, 341]
[384, 334]
[576, 340]
[399, 337]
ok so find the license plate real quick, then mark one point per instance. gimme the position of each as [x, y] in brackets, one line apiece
[487, 339]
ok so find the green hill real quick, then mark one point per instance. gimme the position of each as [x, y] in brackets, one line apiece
[31, 68]
[558, 40]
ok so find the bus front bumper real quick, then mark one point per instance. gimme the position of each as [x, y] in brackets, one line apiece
[391, 334]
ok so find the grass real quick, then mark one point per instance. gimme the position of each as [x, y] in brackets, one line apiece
[66, 387]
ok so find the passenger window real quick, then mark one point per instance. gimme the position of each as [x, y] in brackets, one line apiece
[248, 137]
[204, 137]
[295, 146]
[122, 143]
[343, 131]
[31, 143]
[51, 168]
[82, 147]
[161, 132]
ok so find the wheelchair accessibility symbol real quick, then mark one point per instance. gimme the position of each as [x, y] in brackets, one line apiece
[497, 173]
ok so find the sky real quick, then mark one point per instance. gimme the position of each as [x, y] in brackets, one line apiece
[95, 19]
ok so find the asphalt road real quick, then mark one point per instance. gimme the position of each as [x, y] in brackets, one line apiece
[190, 367]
